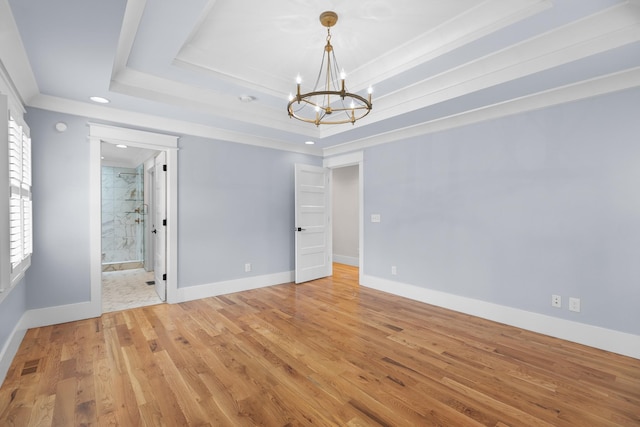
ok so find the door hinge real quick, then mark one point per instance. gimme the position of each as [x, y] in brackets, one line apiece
[164, 276]
[164, 168]
[164, 222]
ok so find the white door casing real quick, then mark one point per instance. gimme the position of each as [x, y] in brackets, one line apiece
[141, 139]
[149, 213]
[160, 225]
[312, 231]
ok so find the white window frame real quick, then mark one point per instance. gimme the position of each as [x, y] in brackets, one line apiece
[16, 225]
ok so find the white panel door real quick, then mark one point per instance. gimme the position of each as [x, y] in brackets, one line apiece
[160, 227]
[313, 234]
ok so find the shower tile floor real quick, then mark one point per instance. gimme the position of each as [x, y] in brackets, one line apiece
[127, 289]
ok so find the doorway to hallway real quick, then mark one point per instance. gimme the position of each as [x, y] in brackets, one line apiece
[345, 207]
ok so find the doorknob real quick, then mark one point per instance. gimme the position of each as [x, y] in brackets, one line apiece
[154, 231]
[300, 229]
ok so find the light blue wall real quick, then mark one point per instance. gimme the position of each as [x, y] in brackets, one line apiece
[235, 206]
[508, 211]
[514, 210]
[59, 272]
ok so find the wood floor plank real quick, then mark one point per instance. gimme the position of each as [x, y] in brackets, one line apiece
[65, 403]
[323, 353]
[42, 414]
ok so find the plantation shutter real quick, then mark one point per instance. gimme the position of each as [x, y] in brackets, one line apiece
[20, 212]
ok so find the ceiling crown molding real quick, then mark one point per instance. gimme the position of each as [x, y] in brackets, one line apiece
[615, 82]
[597, 33]
[14, 64]
[141, 120]
[606, 30]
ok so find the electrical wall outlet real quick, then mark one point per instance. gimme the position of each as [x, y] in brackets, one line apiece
[574, 304]
[375, 218]
[556, 301]
[247, 267]
[394, 270]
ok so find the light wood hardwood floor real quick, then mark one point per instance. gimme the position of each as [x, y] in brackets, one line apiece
[324, 353]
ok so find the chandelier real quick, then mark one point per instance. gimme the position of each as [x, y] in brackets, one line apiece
[329, 103]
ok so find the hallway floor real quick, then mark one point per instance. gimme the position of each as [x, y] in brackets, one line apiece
[127, 289]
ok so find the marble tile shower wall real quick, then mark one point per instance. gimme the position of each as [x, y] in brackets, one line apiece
[122, 218]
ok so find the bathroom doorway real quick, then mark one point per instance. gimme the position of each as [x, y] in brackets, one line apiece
[126, 228]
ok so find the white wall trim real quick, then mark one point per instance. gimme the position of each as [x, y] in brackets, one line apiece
[95, 226]
[14, 57]
[143, 85]
[141, 138]
[597, 33]
[172, 226]
[11, 347]
[191, 293]
[349, 159]
[130, 22]
[593, 336]
[164, 124]
[619, 81]
[39, 317]
[484, 18]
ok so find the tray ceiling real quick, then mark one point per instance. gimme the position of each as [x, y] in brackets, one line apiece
[182, 67]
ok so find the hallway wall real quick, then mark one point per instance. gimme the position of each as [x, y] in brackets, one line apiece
[345, 207]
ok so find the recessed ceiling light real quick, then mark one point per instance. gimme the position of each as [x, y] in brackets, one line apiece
[121, 146]
[309, 142]
[61, 126]
[99, 99]
[246, 98]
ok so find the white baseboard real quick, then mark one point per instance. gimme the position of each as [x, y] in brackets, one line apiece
[348, 260]
[593, 336]
[39, 317]
[191, 293]
[10, 349]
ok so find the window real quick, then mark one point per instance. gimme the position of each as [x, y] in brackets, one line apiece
[20, 205]
[20, 225]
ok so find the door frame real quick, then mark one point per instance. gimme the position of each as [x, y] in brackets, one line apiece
[149, 246]
[159, 216]
[351, 159]
[134, 138]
